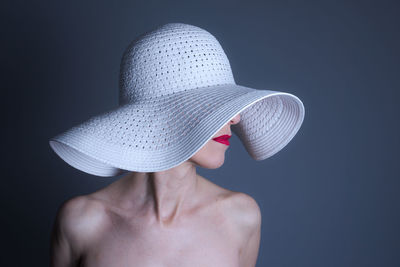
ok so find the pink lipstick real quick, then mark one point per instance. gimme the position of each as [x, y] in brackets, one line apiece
[223, 139]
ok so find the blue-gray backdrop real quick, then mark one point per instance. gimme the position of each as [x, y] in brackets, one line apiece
[329, 198]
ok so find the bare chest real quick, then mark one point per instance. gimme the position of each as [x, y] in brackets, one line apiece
[201, 242]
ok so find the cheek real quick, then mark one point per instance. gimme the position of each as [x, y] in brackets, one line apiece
[212, 155]
[213, 149]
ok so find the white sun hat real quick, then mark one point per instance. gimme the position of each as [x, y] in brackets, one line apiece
[176, 91]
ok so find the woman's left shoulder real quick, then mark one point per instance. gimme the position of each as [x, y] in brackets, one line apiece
[243, 210]
[238, 208]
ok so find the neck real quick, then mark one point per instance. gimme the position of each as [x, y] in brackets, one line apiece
[166, 193]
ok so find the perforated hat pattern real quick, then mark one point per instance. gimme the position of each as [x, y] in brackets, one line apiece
[176, 91]
[174, 58]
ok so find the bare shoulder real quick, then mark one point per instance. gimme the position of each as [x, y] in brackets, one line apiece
[79, 220]
[240, 208]
[243, 210]
[246, 217]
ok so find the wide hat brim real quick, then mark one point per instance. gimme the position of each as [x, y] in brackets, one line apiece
[160, 133]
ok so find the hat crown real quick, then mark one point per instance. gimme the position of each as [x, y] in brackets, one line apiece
[172, 58]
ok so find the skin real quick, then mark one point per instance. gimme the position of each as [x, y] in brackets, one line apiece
[168, 218]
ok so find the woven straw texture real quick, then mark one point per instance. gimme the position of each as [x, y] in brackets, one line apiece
[176, 91]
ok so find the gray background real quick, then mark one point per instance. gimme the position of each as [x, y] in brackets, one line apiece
[329, 198]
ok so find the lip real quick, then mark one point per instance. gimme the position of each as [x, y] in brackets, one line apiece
[223, 139]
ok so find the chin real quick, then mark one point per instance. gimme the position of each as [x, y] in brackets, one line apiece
[211, 162]
[211, 156]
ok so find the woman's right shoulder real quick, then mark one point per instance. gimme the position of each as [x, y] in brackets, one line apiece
[80, 219]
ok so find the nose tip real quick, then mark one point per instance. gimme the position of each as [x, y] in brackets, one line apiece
[235, 119]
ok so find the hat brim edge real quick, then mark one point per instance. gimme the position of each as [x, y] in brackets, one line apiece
[88, 162]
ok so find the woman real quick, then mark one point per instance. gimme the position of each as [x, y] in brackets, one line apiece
[178, 107]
